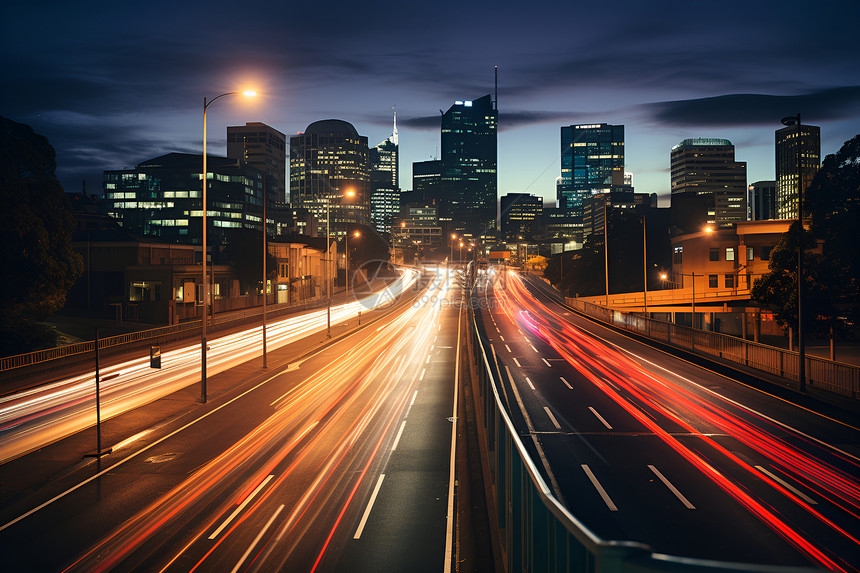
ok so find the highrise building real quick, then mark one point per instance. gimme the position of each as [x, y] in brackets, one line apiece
[426, 181]
[707, 167]
[327, 161]
[468, 193]
[161, 198]
[265, 148]
[520, 215]
[786, 165]
[596, 206]
[592, 161]
[761, 201]
[385, 182]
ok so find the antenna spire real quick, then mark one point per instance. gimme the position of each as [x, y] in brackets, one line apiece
[497, 87]
[394, 135]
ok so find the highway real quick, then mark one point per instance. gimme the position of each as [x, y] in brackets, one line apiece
[46, 413]
[341, 461]
[642, 446]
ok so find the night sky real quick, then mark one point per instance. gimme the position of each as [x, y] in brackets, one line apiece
[114, 83]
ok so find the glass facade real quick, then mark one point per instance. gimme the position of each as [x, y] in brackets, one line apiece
[707, 167]
[162, 197]
[326, 161]
[592, 161]
[521, 214]
[384, 183]
[468, 191]
[786, 165]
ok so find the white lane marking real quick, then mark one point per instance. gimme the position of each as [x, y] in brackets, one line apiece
[497, 329]
[257, 540]
[399, 433]
[517, 362]
[531, 428]
[449, 526]
[415, 395]
[606, 499]
[364, 517]
[552, 418]
[535, 349]
[787, 485]
[529, 382]
[727, 399]
[434, 338]
[566, 383]
[509, 348]
[672, 488]
[423, 370]
[428, 360]
[135, 454]
[599, 417]
[240, 508]
[502, 338]
[546, 362]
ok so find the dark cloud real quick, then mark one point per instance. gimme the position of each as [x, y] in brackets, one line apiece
[737, 110]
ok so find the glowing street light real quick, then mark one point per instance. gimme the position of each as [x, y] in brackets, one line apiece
[204, 290]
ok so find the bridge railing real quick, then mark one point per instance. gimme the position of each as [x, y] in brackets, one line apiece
[829, 375]
[160, 334]
[535, 531]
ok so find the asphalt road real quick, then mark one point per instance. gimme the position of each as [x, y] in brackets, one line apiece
[339, 462]
[642, 446]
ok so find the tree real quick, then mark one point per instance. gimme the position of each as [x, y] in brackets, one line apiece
[831, 258]
[39, 265]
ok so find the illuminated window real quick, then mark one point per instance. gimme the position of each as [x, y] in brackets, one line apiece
[730, 253]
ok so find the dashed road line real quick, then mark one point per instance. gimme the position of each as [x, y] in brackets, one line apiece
[599, 417]
[529, 382]
[566, 383]
[257, 539]
[672, 488]
[423, 371]
[787, 485]
[606, 499]
[545, 361]
[399, 433]
[364, 517]
[552, 418]
[517, 362]
[236, 512]
[508, 347]
[535, 349]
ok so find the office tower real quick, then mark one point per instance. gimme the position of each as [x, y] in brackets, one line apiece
[707, 167]
[786, 165]
[265, 148]
[426, 181]
[616, 202]
[761, 201]
[327, 161]
[592, 161]
[468, 193]
[161, 197]
[385, 182]
[520, 215]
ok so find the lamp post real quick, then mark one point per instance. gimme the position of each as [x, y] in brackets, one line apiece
[460, 258]
[265, 278]
[644, 268]
[801, 346]
[453, 238]
[606, 249]
[328, 285]
[204, 289]
[356, 235]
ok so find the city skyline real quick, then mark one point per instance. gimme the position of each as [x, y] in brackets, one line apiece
[112, 87]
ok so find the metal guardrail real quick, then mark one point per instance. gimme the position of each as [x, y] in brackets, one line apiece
[536, 532]
[224, 320]
[829, 375]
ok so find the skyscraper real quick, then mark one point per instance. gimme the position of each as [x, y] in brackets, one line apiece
[761, 201]
[520, 215]
[326, 161]
[707, 167]
[265, 148]
[385, 182]
[469, 185]
[592, 161]
[786, 165]
[426, 180]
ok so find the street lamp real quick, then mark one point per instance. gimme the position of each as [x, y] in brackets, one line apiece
[801, 347]
[205, 294]
[356, 235]
[453, 238]
[328, 285]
